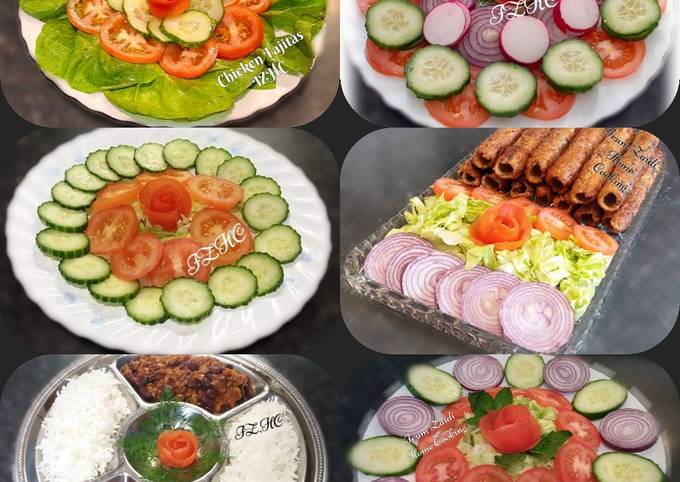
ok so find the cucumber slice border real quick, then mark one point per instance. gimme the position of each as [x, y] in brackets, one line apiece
[55, 224]
[596, 415]
[78, 280]
[418, 392]
[241, 271]
[509, 367]
[186, 319]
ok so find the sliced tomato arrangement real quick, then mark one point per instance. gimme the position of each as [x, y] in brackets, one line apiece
[558, 223]
[449, 188]
[511, 429]
[168, 8]
[505, 225]
[88, 15]
[458, 409]
[488, 195]
[208, 224]
[177, 448]
[530, 208]
[138, 258]
[549, 104]
[213, 192]
[111, 229]
[119, 39]
[462, 110]
[574, 462]
[538, 474]
[621, 57]
[548, 398]
[174, 263]
[116, 194]
[444, 464]
[189, 62]
[257, 6]
[165, 202]
[580, 427]
[487, 473]
[594, 239]
[445, 435]
[240, 32]
[388, 62]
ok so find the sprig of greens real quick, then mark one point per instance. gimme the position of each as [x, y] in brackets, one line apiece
[545, 450]
[482, 403]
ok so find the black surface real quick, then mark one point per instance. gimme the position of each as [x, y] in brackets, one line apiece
[31, 327]
[31, 378]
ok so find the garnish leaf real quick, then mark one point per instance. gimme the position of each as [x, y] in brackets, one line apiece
[503, 398]
[508, 460]
[481, 403]
[550, 443]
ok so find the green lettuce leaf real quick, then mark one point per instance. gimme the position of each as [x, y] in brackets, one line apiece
[43, 9]
[294, 58]
[293, 16]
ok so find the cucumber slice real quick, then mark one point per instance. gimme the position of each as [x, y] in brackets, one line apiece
[572, 66]
[505, 89]
[180, 153]
[78, 177]
[432, 385]
[62, 245]
[116, 5]
[149, 157]
[146, 308]
[71, 198]
[236, 169]
[121, 160]
[62, 219]
[232, 286]
[524, 371]
[394, 24]
[187, 300]
[85, 270]
[437, 72]
[154, 28]
[189, 29]
[265, 210]
[258, 185]
[598, 398]
[114, 290]
[624, 467]
[213, 8]
[267, 270]
[630, 19]
[209, 159]
[385, 455]
[281, 242]
[96, 164]
[137, 14]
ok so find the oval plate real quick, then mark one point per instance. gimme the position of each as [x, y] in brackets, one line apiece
[223, 330]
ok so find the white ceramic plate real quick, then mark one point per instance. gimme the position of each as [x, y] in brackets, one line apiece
[657, 452]
[251, 103]
[223, 330]
[605, 99]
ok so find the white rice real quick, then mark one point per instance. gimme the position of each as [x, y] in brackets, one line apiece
[80, 429]
[272, 456]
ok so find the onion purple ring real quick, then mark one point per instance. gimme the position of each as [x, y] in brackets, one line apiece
[452, 286]
[421, 276]
[405, 416]
[566, 373]
[399, 262]
[630, 430]
[380, 256]
[482, 300]
[480, 45]
[478, 372]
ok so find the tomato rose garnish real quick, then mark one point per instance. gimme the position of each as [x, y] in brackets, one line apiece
[505, 225]
[164, 202]
[177, 448]
[511, 429]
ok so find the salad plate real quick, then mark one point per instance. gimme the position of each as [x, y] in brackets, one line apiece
[237, 428]
[608, 97]
[110, 319]
[108, 87]
[459, 439]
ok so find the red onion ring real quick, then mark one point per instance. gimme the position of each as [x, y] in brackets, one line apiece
[451, 286]
[399, 262]
[478, 372]
[537, 317]
[482, 300]
[630, 430]
[427, 5]
[566, 373]
[380, 256]
[405, 416]
[421, 276]
[480, 45]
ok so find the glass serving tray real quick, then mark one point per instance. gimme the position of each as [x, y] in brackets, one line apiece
[353, 275]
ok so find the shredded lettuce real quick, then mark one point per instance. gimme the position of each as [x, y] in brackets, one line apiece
[575, 271]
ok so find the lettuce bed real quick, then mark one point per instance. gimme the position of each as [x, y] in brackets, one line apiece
[145, 89]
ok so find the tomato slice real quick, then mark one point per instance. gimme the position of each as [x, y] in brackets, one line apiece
[488, 195]
[549, 398]
[257, 6]
[115, 195]
[621, 57]
[389, 62]
[511, 429]
[165, 202]
[444, 435]
[574, 462]
[580, 427]
[167, 8]
[88, 15]
[505, 225]
[449, 188]
[549, 104]
[538, 474]
[208, 224]
[138, 258]
[214, 192]
[558, 223]
[112, 229]
[462, 110]
[594, 239]
[364, 5]
[530, 208]
[176, 174]
[119, 39]
[240, 32]
[189, 62]
[458, 409]
[487, 473]
[445, 464]
[174, 262]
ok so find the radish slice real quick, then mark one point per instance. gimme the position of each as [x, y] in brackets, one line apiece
[480, 46]
[537, 317]
[452, 285]
[482, 299]
[629, 430]
[566, 373]
[380, 256]
[446, 24]
[405, 416]
[577, 16]
[421, 276]
[524, 40]
[400, 261]
[427, 5]
[478, 372]
[556, 33]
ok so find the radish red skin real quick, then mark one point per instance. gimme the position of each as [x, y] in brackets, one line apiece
[434, 26]
[545, 34]
[564, 26]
